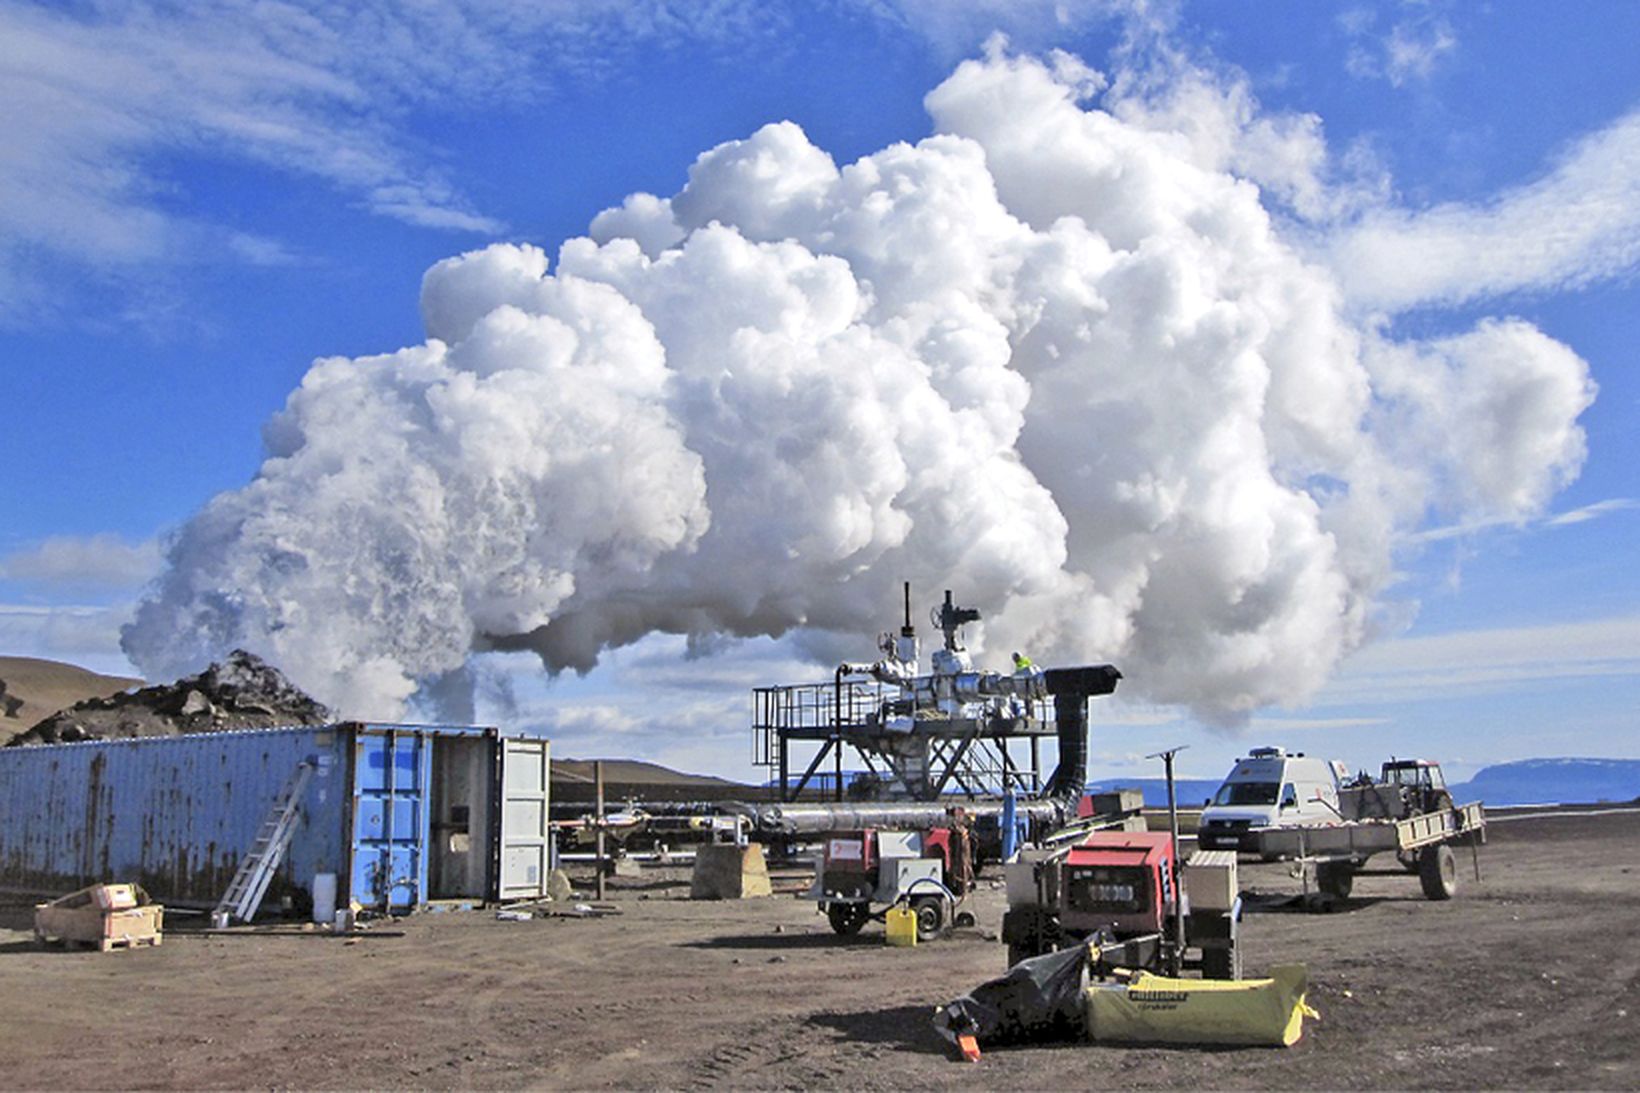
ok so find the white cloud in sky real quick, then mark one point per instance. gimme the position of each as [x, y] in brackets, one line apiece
[956, 28]
[62, 569]
[88, 636]
[1592, 512]
[98, 97]
[84, 563]
[1275, 726]
[1578, 223]
[1569, 518]
[1486, 661]
[1415, 47]
[1420, 37]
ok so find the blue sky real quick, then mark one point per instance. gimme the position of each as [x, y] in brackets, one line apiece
[205, 200]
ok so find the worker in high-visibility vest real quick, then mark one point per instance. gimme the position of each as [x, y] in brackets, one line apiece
[1022, 663]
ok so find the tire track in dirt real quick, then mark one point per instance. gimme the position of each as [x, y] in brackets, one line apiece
[773, 1055]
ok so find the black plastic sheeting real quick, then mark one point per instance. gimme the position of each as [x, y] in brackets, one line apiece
[1039, 999]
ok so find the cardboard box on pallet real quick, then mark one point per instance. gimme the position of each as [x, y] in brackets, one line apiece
[104, 915]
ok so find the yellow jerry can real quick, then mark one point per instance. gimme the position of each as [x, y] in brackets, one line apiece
[902, 925]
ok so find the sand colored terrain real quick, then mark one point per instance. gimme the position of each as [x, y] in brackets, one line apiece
[631, 779]
[1529, 979]
[35, 689]
[241, 691]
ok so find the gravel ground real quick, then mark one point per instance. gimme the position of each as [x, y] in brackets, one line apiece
[1528, 979]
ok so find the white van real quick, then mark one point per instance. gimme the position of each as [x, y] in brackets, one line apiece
[1270, 788]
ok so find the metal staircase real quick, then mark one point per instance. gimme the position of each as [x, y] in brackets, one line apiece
[261, 861]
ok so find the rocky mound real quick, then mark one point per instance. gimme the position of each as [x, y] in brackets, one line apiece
[242, 692]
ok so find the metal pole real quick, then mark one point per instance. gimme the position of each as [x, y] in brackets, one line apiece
[837, 730]
[598, 781]
[785, 767]
[837, 778]
[1175, 958]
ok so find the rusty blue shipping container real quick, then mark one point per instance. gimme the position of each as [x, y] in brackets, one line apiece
[402, 815]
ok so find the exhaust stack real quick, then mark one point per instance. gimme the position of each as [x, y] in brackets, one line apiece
[1071, 688]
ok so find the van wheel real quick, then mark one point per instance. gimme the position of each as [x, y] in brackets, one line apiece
[1335, 878]
[1438, 871]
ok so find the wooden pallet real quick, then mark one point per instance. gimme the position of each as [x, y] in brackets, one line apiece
[105, 944]
[77, 921]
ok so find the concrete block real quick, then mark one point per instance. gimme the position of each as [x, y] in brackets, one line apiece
[1116, 801]
[730, 872]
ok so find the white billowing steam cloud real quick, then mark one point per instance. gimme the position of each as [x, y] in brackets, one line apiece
[1055, 358]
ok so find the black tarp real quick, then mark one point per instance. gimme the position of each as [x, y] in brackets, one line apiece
[1037, 999]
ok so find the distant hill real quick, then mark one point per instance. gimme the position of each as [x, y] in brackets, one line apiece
[1524, 782]
[1553, 781]
[572, 780]
[240, 692]
[32, 689]
[1191, 792]
[632, 771]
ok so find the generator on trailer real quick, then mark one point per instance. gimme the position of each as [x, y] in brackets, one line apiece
[1122, 891]
[863, 873]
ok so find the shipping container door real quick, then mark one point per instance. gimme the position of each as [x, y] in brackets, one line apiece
[391, 774]
[525, 844]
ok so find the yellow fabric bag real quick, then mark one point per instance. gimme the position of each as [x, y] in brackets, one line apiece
[1152, 1009]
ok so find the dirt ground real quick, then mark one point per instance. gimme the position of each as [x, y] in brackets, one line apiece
[1529, 979]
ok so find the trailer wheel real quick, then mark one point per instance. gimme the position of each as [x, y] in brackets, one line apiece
[847, 918]
[1335, 878]
[1438, 871]
[930, 911]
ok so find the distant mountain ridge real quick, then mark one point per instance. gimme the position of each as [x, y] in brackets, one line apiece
[1554, 781]
[1522, 782]
[1191, 792]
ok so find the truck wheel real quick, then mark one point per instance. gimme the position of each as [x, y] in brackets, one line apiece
[1438, 871]
[930, 911]
[1335, 878]
[847, 918]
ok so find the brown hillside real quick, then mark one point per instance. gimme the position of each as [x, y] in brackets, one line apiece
[239, 692]
[32, 689]
[633, 771]
[572, 781]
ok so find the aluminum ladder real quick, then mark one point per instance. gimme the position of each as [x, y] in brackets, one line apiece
[256, 868]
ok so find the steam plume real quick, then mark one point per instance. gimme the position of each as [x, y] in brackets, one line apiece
[1056, 357]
